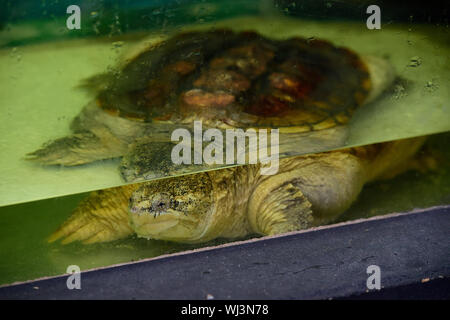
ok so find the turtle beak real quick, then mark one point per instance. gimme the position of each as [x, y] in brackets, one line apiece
[148, 226]
[157, 204]
[144, 208]
[154, 228]
[141, 207]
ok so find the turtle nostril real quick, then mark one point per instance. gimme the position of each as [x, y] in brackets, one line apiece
[134, 209]
[159, 203]
[160, 206]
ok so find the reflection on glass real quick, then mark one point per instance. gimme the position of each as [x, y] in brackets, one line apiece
[168, 82]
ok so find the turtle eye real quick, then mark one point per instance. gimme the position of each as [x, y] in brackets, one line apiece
[160, 206]
[174, 203]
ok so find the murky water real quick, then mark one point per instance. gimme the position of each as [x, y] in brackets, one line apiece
[24, 253]
[39, 98]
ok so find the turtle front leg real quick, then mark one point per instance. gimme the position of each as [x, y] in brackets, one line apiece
[102, 217]
[80, 148]
[309, 191]
[276, 208]
[149, 159]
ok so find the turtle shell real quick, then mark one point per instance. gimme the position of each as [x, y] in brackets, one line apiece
[242, 79]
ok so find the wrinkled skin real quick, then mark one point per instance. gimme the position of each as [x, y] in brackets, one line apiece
[175, 209]
[236, 202]
[226, 80]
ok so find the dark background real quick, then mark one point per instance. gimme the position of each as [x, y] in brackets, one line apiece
[149, 14]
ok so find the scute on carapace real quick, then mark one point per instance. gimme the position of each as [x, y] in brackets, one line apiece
[246, 77]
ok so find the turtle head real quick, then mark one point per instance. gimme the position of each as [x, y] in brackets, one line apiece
[176, 209]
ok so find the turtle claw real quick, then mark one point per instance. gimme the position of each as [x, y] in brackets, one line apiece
[75, 222]
[79, 227]
[79, 148]
[102, 217]
[100, 237]
[88, 229]
[67, 151]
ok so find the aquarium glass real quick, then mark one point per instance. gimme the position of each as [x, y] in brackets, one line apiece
[48, 47]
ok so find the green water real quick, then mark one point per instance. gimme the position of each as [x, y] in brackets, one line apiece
[38, 95]
[25, 255]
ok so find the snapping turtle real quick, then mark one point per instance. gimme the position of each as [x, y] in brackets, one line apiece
[226, 80]
[307, 191]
